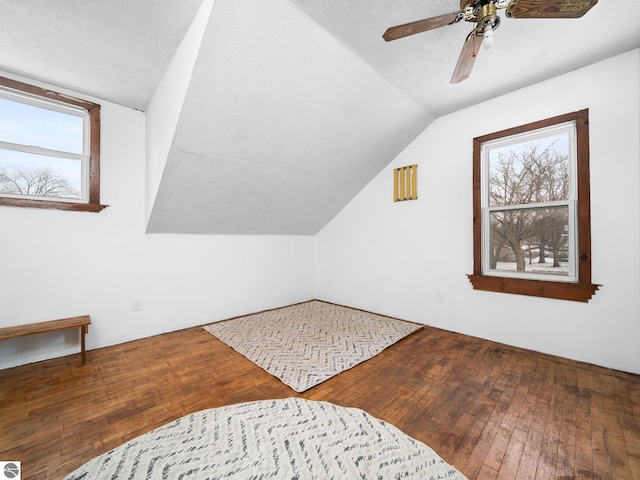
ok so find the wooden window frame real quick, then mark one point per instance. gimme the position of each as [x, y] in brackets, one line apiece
[581, 290]
[93, 202]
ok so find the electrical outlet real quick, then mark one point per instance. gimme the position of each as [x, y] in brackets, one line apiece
[136, 304]
[439, 297]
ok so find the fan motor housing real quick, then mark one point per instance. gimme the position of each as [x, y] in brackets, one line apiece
[482, 12]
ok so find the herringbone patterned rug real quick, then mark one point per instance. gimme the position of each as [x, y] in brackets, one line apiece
[278, 439]
[306, 344]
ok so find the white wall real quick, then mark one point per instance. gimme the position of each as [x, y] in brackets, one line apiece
[392, 258]
[378, 255]
[58, 264]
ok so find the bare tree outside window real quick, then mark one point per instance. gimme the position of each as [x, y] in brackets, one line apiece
[525, 239]
[36, 181]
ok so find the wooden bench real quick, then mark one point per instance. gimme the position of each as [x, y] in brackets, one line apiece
[81, 322]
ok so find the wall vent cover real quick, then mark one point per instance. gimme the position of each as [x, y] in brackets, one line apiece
[405, 183]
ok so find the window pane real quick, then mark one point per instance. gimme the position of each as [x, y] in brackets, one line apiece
[39, 175]
[532, 240]
[34, 126]
[534, 171]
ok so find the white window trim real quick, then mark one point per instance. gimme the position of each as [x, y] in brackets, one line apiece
[570, 129]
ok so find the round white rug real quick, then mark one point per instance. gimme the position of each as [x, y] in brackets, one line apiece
[291, 438]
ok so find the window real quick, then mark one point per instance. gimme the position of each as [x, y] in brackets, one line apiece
[49, 149]
[531, 207]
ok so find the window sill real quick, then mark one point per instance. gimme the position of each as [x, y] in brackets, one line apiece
[70, 206]
[579, 292]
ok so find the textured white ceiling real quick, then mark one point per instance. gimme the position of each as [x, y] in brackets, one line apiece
[526, 51]
[294, 105]
[117, 50]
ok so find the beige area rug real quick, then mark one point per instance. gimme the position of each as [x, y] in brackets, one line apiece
[305, 344]
[290, 438]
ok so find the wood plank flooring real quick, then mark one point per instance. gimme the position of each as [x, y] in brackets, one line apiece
[492, 411]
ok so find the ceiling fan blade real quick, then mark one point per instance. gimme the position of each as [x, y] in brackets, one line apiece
[399, 31]
[467, 57]
[549, 8]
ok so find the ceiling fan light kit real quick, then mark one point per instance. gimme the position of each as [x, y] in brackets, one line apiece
[483, 13]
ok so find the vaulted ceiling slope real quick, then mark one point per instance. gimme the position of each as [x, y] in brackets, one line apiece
[281, 126]
[290, 106]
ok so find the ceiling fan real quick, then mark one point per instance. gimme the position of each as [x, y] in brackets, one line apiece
[484, 14]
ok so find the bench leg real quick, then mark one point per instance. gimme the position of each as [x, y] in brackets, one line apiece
[83, 331]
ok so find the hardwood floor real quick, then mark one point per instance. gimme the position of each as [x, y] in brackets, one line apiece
[492, 411]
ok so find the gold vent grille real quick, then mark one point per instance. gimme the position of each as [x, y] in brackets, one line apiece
[405, 183]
